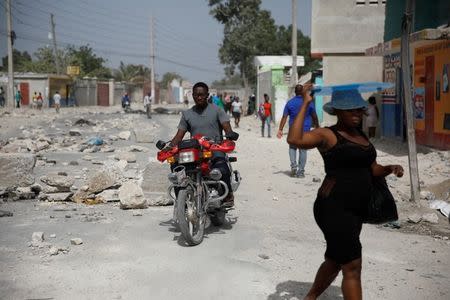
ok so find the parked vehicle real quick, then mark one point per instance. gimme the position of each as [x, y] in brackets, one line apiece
[126, 106]
[197, 189]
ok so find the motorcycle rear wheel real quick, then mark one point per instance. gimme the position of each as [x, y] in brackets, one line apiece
[192, 230]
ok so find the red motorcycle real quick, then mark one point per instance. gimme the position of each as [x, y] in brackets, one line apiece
[197, 189]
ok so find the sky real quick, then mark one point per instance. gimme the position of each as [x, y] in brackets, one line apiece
[187, 36]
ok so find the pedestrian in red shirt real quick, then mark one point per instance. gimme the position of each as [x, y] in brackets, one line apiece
[266, 116]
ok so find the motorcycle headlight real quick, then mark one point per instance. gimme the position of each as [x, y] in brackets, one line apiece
[186, 157]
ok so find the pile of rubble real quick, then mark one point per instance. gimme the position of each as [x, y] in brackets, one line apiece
[112, 182]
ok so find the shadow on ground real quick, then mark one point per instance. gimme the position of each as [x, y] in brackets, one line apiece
[297, 290]
[287, 173]
[396, 147]
[210, 229]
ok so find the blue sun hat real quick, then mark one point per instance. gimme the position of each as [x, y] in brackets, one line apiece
[348, 96]
[344, 100]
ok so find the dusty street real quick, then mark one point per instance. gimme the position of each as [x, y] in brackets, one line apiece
[270, 247]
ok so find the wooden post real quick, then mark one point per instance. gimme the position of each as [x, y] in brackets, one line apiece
[407, 87]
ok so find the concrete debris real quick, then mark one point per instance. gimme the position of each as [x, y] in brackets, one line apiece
[61, 182]
[158, 199]
[56, 197]
[431, 218]
[75, 132]
[16, 170]
[37, 237]
[125, 135]
[5, 213]
[82, 122]
[414, 218]
[316, 179]
[137, 148]
[144, 136]
[427, 195]
[76, 241]
[108, 196]
[442, 206]
[131, 196]
[127, 156]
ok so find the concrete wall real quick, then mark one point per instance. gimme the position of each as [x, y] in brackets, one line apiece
[85, 92]
[341, 26]
[348, 69]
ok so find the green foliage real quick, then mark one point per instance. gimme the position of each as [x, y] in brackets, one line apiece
[282, 46]
[21, 61]
[249, 32]
[168, 77]
[90, 64]
[84, 57]
[132, 73]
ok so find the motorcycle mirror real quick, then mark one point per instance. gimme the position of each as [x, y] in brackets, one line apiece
[232, 136]
[160, 144]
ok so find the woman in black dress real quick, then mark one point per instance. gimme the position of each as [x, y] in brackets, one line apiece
[350, 163]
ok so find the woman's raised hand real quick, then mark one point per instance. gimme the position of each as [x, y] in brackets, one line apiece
[306, 92]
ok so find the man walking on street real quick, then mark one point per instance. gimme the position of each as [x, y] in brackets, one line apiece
[57, 100]
[291, 109]
[2, 97]
[18, 99]
[148, 105]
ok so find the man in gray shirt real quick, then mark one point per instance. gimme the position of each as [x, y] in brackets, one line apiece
[208, 120]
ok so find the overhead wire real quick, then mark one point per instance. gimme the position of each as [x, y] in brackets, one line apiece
[162, 58]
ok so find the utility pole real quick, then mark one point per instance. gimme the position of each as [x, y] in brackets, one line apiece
[406, 74]
[152, 58]
[55, 49]
[10, 99]
[294, 44]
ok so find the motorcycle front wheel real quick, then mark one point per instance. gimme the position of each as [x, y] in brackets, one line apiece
[191, 223]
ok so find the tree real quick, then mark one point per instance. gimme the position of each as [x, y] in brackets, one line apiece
[45, 60]
[248, 31]
[168, 77]
[282, 46]
[234, 80]
[21, 61]
[90, 64]
[132, 73]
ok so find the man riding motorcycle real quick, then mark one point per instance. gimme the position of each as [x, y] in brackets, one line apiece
[125, 99]
[208, 120]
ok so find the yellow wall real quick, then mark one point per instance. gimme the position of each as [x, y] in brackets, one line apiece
[441, 52]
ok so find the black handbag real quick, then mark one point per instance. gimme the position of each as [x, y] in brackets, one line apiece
[381, 206]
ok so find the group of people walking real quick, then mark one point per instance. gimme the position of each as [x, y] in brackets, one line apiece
[37, 100]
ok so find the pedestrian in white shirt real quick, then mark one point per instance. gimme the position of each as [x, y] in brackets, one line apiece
[236, 110]
[148, 104]
[57, 100]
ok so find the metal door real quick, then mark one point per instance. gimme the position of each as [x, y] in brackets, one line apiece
[25, 91]
[103, 94]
